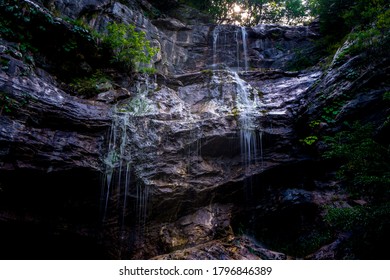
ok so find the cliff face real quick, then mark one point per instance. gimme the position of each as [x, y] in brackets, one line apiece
[189, 158]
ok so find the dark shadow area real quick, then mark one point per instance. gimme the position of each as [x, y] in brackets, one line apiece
[50, 215]
[21, 241]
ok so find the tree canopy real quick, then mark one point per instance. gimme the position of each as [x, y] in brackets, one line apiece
[336, 15]
[252, 12]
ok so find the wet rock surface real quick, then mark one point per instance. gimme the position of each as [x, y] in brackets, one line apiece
[194, 159]
[184, 133]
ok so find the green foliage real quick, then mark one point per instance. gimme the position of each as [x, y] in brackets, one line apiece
[351, 218]
[268, 11]
[369, 226]
[84, 30]
[235, 112]
[314, 124]
[367, 24]
[330, 111]
[295, 10]
[368, 18]
[9, 104]
[29, 26]
[129, 47]
[309, 140]
[23, 37]
[25, 13]
[147, 70]
[346, 218]
[217, 9]
[365, 164]
[4, 63]
[309, 243]
[252, 11]
[70, 46]
[371, 40]
[304, 58]
[351, 74]
[92, 85]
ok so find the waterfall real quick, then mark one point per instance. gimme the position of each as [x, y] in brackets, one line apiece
[230, 47]
[117, 165]
[215, 40]
[118, 185]
[244, 36]
[247, 97]
[142, 197]
[247, 102]
[238, 49]
[242, 45]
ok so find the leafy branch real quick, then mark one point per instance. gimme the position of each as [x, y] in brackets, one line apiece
[129, 46]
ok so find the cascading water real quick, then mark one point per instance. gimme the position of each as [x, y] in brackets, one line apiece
[230, 47]
[247, 97]
[247, 105]
[244, 36]
[194, 145]
[117, 166]
[215, 40]
[118, 187]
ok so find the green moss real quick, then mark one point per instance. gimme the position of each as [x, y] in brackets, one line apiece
[264, 111]
[92, 85]
[235, 112]
[314, 123]
[309, 140]
[137, 106]
[207, 72]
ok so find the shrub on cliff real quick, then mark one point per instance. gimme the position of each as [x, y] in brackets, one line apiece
[129, 47]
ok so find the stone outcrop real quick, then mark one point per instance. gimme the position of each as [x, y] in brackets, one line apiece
[348, 92]
[192, 157]
[198, 122]
[186, 41]
[46, 128]
[51, 148]
[185, 144]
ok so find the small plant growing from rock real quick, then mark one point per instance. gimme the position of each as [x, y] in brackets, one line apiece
[6, 103]
[129, 46]
[309, 140]
[90, 86]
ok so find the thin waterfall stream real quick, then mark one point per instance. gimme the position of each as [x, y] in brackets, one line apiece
[247, 101]
[244, 36]
[118, 183]
[125, 196]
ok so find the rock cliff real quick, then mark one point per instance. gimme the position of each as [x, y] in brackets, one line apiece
[186, 163]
